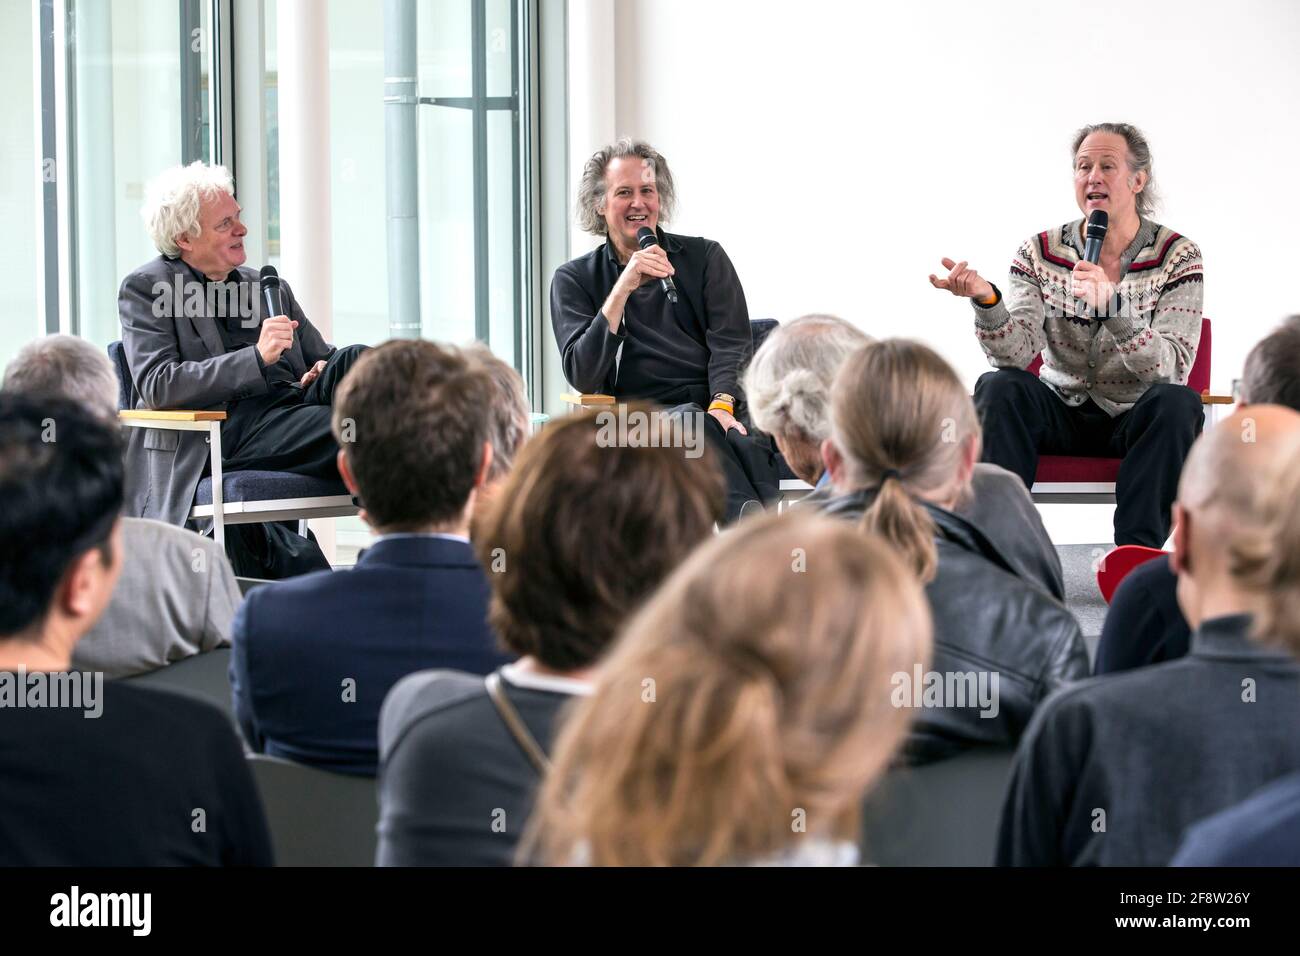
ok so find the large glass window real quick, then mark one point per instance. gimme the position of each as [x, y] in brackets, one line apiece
[470, 57]
[21, 178]
[135, 70]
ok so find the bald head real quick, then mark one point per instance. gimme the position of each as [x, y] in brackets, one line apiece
[1229, 464]
[1228, 476]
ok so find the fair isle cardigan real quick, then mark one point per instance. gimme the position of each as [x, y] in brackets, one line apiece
[1150, 335]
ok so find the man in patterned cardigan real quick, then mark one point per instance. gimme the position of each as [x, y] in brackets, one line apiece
[1117, 338]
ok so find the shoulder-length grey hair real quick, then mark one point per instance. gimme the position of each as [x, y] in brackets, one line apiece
[788, 383]
[172, 200]
[591, 188]
[1139, 159]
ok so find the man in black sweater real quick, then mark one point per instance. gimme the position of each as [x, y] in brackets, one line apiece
[621, 333]
[1113, 769]
[95, 773]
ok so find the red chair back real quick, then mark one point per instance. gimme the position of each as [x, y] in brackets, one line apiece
[1198, 379]
[1115, 567]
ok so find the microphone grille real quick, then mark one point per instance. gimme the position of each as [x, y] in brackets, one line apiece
[269, 276]
[1098, 222]
[645, 236]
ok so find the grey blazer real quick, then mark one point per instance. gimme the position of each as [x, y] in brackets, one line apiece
[176, 598]
[180, 361]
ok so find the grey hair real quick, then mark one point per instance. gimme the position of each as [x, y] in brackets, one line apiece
[508, 416]
[172, 200]
[64, 366]
[592, 188]
[1272, 374]
[788, 383]
[1139, 159]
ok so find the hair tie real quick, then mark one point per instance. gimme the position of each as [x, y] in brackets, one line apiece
[889, 473]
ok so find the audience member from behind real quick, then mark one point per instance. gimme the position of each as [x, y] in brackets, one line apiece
[724, 732]
[1158, 748]
[95, 773]
[580, 536]
[314, 656]
[177, 594]
[1144, 624]
[905, 440]
[789, 389]
[508, 426]
[1265, 829]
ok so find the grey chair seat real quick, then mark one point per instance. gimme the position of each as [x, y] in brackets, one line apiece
[264, 485]
[938, 814]
[316, 817]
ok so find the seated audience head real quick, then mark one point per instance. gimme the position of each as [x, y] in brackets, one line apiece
[64, 366]
[413, 426]
[61, 484]
[508, 422]
[625, 186]
[583, 531]
[1219, 495]
[1272, 374]
[751, 695]
[788, 385]
[903, 424]
[1268, 561]
[191, 214]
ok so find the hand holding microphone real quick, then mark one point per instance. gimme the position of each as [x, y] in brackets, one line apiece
[277, 328]
[652, 261]
[1089, 281]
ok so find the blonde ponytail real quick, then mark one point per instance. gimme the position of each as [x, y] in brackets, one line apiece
[901, 420]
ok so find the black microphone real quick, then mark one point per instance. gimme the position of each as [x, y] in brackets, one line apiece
[272, 296]
[645, 238]
[1094, 234]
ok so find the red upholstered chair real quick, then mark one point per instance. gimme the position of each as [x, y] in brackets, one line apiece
[1079, 479]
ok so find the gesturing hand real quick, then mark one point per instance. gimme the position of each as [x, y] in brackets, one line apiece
[1089, 283]
[312, 373]
[962, 281]
[275, 337]
[645, 265]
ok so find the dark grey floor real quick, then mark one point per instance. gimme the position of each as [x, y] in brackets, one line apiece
[1079, 566]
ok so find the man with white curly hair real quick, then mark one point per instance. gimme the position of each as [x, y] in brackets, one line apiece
[789, 389]
[196, 337]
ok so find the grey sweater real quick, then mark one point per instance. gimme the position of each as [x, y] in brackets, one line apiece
[1150, 338]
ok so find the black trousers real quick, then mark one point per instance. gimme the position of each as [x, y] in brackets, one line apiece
[748, 462]
[288, 429]
[1023, 418]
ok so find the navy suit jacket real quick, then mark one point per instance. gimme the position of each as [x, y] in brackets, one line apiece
[313, 657]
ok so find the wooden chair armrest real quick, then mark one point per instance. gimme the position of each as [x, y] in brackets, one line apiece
[147, 415]
[1208, 399]
[585, 400]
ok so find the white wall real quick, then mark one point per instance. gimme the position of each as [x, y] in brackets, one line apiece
[839, 149]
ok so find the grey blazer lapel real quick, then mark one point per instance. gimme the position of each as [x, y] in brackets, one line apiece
[207, 331]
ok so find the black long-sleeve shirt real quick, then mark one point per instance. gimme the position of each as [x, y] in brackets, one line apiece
[124, 788]
[668, 352]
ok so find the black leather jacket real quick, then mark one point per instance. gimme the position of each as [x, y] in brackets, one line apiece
[990, 622]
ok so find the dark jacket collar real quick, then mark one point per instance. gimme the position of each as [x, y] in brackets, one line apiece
[1229, 637]
[948, 525]
[419, 551]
